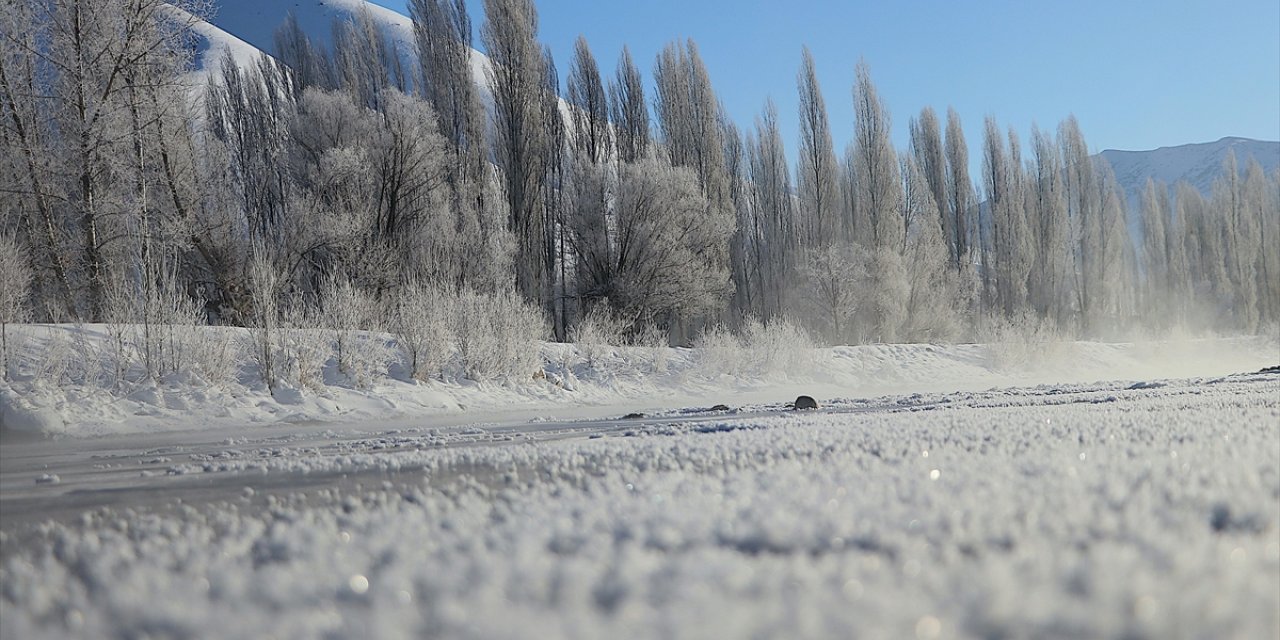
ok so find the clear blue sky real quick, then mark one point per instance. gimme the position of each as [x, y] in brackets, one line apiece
[1138, 75]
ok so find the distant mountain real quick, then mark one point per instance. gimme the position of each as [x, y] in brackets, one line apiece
[247, 28]
[1198, 164]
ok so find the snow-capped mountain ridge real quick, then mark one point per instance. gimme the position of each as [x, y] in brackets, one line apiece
[1199, 164]
[255, 23]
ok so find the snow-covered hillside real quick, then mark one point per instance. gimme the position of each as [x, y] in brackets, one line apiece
[255, 22]
[1197, 164]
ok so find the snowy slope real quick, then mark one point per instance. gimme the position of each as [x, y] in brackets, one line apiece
[1198, 164]
[255, 22]
[211, 47]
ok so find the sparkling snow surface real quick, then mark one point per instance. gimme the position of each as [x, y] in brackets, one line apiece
[1147, 510]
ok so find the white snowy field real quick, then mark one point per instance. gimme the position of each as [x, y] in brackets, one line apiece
[1100, 510]
[65, 385]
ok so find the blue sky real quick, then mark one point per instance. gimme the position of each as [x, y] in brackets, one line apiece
[1138, 75]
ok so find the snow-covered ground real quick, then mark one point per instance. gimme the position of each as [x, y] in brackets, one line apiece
[1147, 510]
[574, 383]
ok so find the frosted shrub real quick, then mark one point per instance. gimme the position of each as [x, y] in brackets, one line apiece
[216, 353]
[118, 314]
[305, 348]
[1019, 341]
[65, 357]
[720, 351]
[349, 314]
[170, 325]
[778, 347]
[422, 327]
[653, 340]
[598, 331]
[15, 284]
[264, 316]
[497, 336]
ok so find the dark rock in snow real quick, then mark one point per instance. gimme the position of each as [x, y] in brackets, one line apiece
[633, 416]
[1146, 385]
[805, 402]
[720, 407]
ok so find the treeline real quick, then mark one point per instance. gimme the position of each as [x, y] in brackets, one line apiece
[392, 176]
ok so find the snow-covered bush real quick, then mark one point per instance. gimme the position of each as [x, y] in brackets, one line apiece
[65, 356]
[263, 318]
[653, 340]
[1017, 342]
[497, 335]
[598, 331]
[776, 347]
[779, 346]
[15, 284]
[305, 348]
[216, 353]
[720, 351]
[119, 352]
[421, 322]
[349, 315]
[167, 328]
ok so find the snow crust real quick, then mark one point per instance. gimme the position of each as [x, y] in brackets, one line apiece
[1065, 511]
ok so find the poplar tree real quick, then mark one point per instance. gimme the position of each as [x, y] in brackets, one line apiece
[517, 83]
[589, 105]
[628, 110]
[817, 168]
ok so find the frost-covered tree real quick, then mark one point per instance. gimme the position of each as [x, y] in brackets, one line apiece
[1155, 255]
[75, 78]
[879, 186]
[556, 149]
[364, 61]
[443, 35]
[877, 199]
[628, 110]
[309, 64]
[1047, 221]
[933, 296]
[1262, 206]
[930, 157]
[589, 104]
[1007, 265]
[442, 32]
[744, 248]
[834, 289]
[776, 236]
[670, 248]
[249, 114]
[688, 116]
[817, 169]
[961, 203]
[517, 80]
